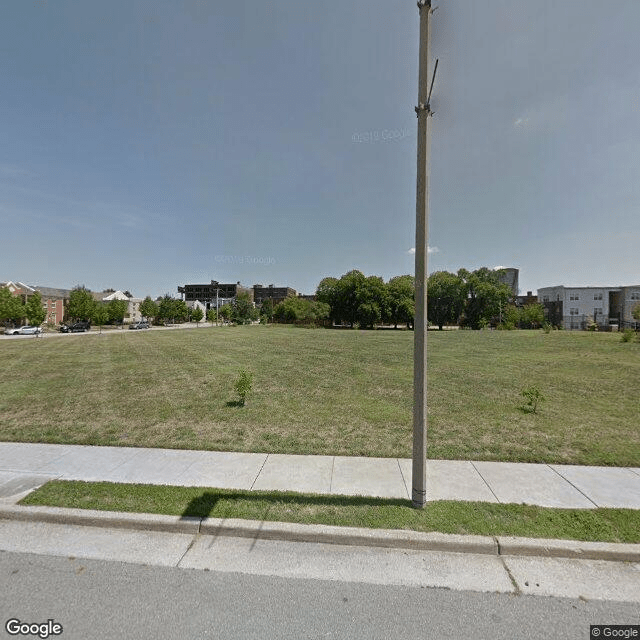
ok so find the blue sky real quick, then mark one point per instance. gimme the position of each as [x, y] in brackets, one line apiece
[146, 144]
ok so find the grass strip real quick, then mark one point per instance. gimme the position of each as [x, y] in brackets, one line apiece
[466, 518]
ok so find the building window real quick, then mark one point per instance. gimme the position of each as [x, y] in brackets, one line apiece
[597, 296]
[635, 295]
[574, 296]
[573, 312]
[545, 299]
[597, 312]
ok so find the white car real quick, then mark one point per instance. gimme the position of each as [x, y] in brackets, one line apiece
[23, 331]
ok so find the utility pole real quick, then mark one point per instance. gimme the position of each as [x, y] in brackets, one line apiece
[423, 111]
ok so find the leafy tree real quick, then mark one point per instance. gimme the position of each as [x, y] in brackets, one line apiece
[532, 316]
[182, 311]
[300, 311]
[212, 316]
[197, 315]
[116, 310]
[372, 301]
[82, 304]
[347, 296]
[485, 296]
[171, 309]
[446, 297]
[401, 292]
[511, 317]
[266, 309]
[226, 312]
[101, 315]
[327, 292]
[167, 310]
[148, 308]
[243, 310]
[34, 310]
[636, 312]
[11, 307]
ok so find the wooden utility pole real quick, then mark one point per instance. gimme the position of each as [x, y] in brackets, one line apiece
[423, 111]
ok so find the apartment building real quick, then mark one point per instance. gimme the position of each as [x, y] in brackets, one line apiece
[572, 307]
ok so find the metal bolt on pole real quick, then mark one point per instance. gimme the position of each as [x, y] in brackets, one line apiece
[423, 111]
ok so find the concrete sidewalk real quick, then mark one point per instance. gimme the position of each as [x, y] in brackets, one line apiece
[23, 467]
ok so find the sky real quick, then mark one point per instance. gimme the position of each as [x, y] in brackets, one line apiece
[148, 144]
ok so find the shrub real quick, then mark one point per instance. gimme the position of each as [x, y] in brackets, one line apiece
[243, 385]
[533, 396]
[627, 335]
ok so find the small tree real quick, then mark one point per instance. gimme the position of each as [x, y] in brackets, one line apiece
[533, 396]
[82, 304]
[636, 312]
[226, 312]
[243, 385]
[101, 316]
[197, 315]
[243, 310]
[212, 316]
[148, 309]
[34, 310]
[266, 309]
[116, 310]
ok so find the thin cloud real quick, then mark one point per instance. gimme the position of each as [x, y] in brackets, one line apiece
[412, 251]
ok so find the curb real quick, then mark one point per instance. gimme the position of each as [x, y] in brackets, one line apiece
[325, 534]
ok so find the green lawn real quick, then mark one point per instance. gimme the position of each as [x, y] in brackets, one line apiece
[465, 518]
[328, 392]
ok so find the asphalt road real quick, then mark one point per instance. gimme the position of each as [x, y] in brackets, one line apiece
[95, 599]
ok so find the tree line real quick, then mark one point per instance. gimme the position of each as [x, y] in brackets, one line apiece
[470, 299]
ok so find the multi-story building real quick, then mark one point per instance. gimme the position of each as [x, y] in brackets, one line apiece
[276, 294]
[55, 302]
[213, 294]
[573, 307]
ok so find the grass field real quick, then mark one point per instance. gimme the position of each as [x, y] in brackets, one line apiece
[465, 518]
[328, 392]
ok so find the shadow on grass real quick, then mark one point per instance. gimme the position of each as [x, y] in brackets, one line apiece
[202, 506]
[235, 403]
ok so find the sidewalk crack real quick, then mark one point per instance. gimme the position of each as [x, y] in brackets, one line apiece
[597, 506]
[259, 472]
[483, 480]
[404, 480]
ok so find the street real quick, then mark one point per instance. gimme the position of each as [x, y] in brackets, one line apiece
[117, 583]
[94, 599]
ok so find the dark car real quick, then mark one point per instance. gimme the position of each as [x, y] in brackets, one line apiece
[139, 325]
[76, 327]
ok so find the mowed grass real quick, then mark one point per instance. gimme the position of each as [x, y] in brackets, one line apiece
[464, 518]
[328, 392]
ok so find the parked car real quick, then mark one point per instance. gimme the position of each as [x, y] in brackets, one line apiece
[27, 330]
[139, 325]
[23, 330]
[76, 327]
